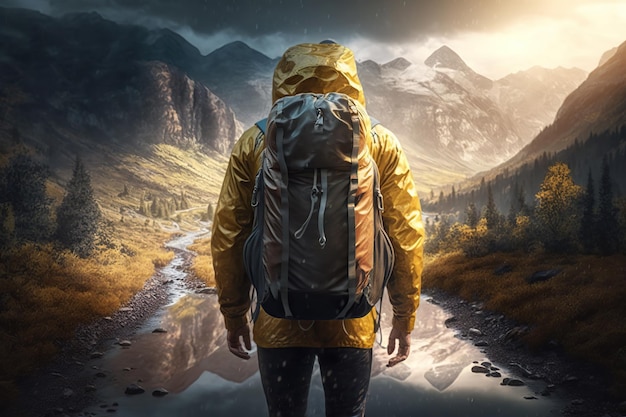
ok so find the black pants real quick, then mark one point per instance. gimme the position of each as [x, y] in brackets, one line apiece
[286, 377]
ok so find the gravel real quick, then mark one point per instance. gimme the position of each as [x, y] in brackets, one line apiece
[584, 385]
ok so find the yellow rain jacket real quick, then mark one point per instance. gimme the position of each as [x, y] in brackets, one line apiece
[317, 68]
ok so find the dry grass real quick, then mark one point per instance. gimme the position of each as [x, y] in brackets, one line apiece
[582, 307]
[203, 263]
[47, 294]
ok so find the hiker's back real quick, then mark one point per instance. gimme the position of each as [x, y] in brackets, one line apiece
[318, 249]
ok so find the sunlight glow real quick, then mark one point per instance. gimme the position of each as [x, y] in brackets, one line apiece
[577, 39]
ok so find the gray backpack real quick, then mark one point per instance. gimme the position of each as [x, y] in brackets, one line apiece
[318, 249]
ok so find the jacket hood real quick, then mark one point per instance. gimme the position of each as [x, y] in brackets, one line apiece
[317, 68]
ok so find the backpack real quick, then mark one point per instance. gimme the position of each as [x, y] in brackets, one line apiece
[318, 249]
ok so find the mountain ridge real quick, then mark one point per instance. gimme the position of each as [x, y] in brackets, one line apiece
[595, 106]
[452, 122]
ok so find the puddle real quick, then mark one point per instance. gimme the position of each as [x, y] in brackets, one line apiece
[191, 361]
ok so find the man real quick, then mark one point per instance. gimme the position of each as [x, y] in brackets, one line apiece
[287, 349]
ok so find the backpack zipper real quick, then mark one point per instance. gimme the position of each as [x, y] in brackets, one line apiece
[315, 192]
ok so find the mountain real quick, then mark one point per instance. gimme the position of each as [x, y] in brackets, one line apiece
[447, 131]
[118, 95]
[242, 77]
[597, 105]
[113, 83]
[587, 133]
[454, 122]
[532, 97]
[446, 58]
[607, 55]
[131, 86]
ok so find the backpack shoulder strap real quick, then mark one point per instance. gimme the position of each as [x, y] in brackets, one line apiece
[262, 124]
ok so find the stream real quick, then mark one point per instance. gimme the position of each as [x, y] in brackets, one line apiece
[202, 378]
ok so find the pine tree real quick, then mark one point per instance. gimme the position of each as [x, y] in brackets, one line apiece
[453, 197]
[491, 211]
[184, 203]
[142, 206]
[25, 191]
[154, 207]
[78, 216]
[587, 233]
[7, 225]
[471, 215]
[513, 207]
[209, 211]
[607, 224]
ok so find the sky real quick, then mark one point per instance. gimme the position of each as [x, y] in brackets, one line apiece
[494, 37]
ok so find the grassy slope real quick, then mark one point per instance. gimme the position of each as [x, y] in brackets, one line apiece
[46, 294]
[582, 307]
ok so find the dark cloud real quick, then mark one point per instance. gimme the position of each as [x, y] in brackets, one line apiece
[382, 20]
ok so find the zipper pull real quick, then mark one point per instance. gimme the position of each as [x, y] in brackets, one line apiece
[319, 119]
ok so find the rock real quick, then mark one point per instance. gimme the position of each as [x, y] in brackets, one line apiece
[96, 355]
[578, 402]
[570, 380]
[541, 276]
[530, 397]
[481, 343]
[90, 388]
[107, 318]
[479, 369]
[450, 320]
[486, 364]
[475, 332]
[495, 374]
[160, 392]
[134, 389]
[523, 370]
[159, 330]
[67, 393]
[125, 309]
[125, 343]
[515, 333]
[207, 291]
[512, 382]
[101, 375]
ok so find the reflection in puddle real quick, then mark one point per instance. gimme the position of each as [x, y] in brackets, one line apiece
[193, 363]
[194, 343]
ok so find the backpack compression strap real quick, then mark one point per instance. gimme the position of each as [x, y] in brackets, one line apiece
[284, 211]
[354, 184]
